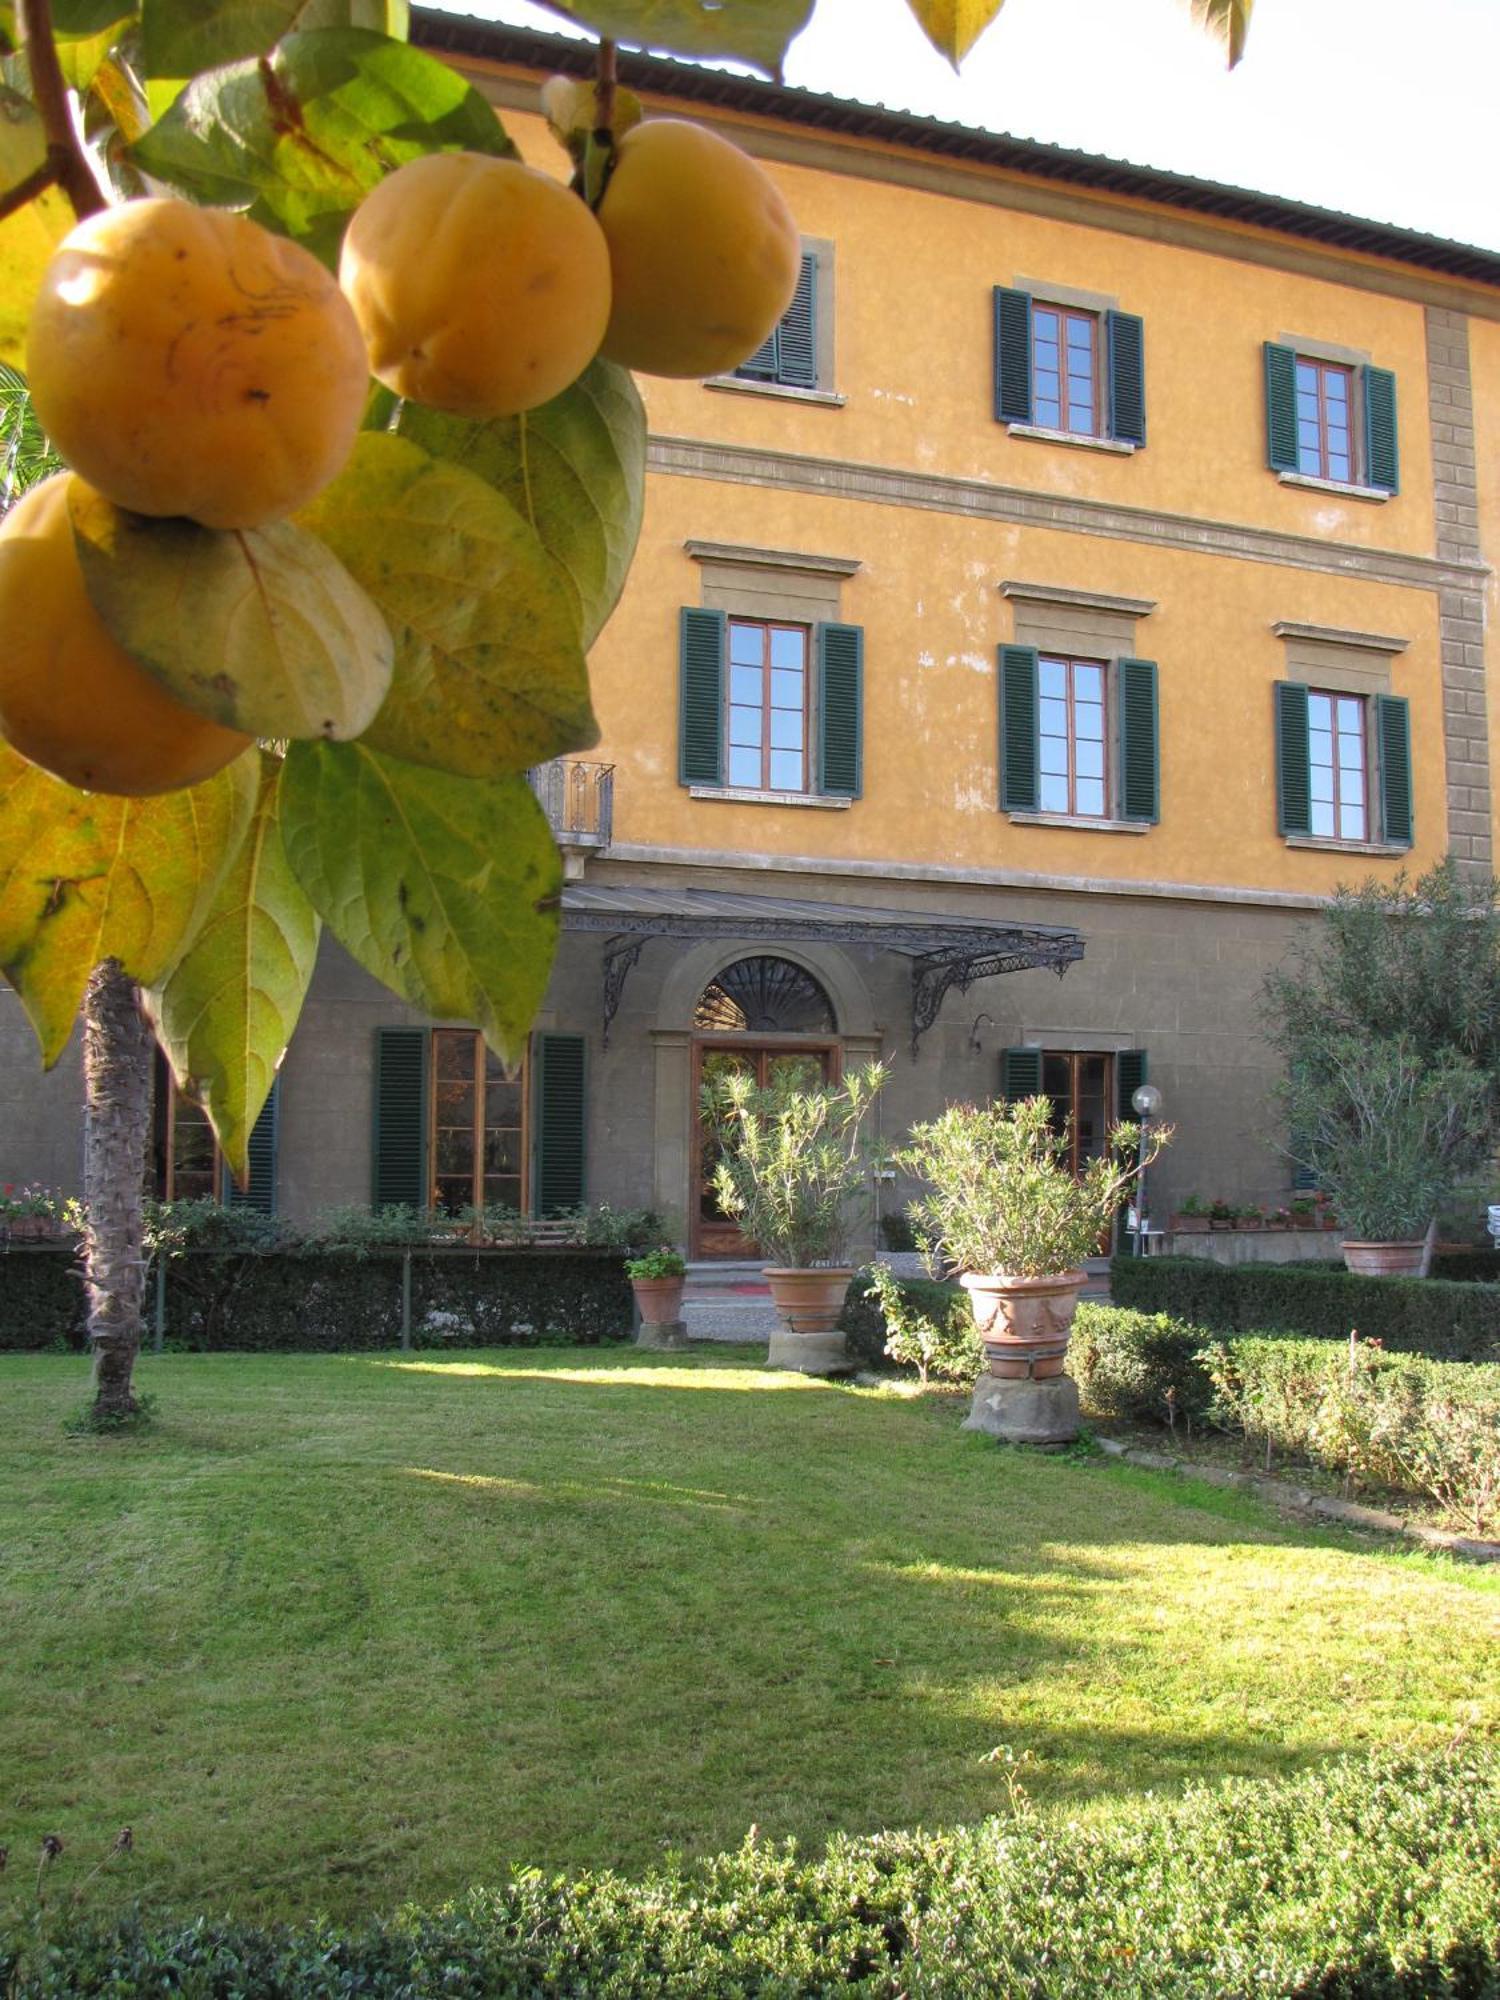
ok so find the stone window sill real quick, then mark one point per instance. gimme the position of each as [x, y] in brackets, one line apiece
[1084, 439]
[738, 385]
[1081, 823]
[1345, 491]
[1329, 845]
[737, 795]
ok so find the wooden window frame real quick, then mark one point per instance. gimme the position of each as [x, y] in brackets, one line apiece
[1335, 696]
[1073, 810]
[175, 1097]
[1353, 475]
[766, 626]
[1093, 321]
[478, 1124]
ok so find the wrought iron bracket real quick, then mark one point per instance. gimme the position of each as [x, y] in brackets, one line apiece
[620, 956]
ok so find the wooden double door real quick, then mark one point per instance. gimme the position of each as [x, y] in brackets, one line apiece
[713, 1234]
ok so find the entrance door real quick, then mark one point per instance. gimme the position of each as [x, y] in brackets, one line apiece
[1081, 1090]
[713, 1233]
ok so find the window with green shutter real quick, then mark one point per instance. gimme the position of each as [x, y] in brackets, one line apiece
[771, 707]
[1140, 783]
[841, 657]
[1068, 368]
[1059, 718]
[259, 1191]
[1020, 1074]
[1293, 763]
[700, 713]
[1393, 735]
[1131, 1071]
[789, 353]
[558, 1176]
[1018, 728]
[1343, 765]
[398, 1176]
[1382, 458]
[1333, 420]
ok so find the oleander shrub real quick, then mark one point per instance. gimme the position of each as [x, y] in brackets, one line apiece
[1392, 1421]
[1447, 1321]
[935, 1334]
[1363, 1879]
[1139, 1365]
[863, 1323]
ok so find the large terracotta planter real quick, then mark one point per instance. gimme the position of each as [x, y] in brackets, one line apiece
[1024, 1395]
[659, 1302]
[1385, 1260]
[808, 1304]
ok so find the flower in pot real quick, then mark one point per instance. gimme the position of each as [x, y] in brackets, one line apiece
[1192, 1217]
[1221, 1213]
[793, 1159]
[657, 1279]
[1250, 1216]
[1007, 1209]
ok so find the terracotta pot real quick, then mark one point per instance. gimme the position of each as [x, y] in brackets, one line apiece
[660, 1299]
[1023, 1322]
[1384, 1260]
[808, 1304]
[1190, 1225]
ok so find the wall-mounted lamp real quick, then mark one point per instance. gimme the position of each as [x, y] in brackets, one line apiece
[974, 1042]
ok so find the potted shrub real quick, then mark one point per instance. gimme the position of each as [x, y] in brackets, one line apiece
[1221, 1213]
[792, 1160]
[1192, 1218]
[1250, 1216]
[1006, 1208]
[657, 1278]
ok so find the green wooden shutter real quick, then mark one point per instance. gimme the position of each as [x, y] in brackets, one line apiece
[1281, 408]
[1012, 356]
[560, 1127]
[797, 335]
[1130, 1073]
[1293, 759]
[841, 666]
[1393, 732]
[1125, 339]
[399, 1156]
[259, 1192]
[1020, 1074]
[1018, 729]
[700, 718]
[1382, 459]
[1140, 788]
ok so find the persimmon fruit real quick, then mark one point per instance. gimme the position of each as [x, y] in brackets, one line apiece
[480, 284]
[186, 361]
[71, 698]
[703, 251]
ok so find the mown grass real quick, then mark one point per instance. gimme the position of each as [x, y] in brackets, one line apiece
[343, 1631]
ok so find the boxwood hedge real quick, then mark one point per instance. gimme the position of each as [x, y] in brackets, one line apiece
[1372, 1879]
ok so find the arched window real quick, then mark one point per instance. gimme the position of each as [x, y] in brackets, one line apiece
[764, 996]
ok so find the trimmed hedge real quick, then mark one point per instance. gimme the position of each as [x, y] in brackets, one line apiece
[1365, 1879]
[1445, 1320]
[332, 1301]
[863, 1324]
[1137, 1365]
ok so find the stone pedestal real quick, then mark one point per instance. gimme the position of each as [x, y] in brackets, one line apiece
[666, 1333]
[1026, 1412]
[817, 1353]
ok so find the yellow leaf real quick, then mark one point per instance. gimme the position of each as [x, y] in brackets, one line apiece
[954, 26]
[1227, 20]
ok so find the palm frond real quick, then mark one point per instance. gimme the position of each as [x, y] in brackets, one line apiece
[25, 455]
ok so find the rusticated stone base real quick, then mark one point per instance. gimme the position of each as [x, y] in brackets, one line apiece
[667, 1333]
[822, 1353]
[1021, 1412]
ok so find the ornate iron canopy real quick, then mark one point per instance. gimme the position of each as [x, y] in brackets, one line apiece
[945, 952]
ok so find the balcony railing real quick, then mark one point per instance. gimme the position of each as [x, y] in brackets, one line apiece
[578, 799]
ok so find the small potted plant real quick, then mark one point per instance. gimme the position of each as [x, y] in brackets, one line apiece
[1007, 1209]
[792, 1161]
[30, 1214]
[1250, 1215]
[1279, 1218]
[1192, 1218]
[1302, 1212]
[1221, 1213]
[657, 1278]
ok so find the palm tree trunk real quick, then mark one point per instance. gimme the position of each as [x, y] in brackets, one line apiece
[117, 1099]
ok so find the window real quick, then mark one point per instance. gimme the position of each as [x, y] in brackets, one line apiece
[1343, 766]
[478, 1145]
[1330, 419]
[1071, 777]
[454, 1127]
[1069, 370]
[789, 355]
[769, 707]
[1089, 1091]
[1078, 737]
[764, 996]
[185, 1163]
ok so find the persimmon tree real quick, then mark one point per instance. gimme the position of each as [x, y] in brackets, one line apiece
[390, 602]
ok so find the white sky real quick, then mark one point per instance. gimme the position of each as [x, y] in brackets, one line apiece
[1384, 108]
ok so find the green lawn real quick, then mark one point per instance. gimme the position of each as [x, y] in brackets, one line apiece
[344, 1631]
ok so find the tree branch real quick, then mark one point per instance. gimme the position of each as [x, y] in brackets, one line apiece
[36, 182]
[604, 94]
[66, 160]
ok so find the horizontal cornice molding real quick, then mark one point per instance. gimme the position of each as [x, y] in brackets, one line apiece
[793, 559]
[846, 479]
[1078, 600]
[1334, 635]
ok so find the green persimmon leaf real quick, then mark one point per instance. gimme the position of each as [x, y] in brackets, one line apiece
[446, 889]
[748, 31]
[29, 237]
[954, 26]
[181, 37]
[85, 876]
[302, 135]
[226, 1011]
[575, 468]
[490, 675]
[262, 629]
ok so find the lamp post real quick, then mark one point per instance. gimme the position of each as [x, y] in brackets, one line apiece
[1146, 1104]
